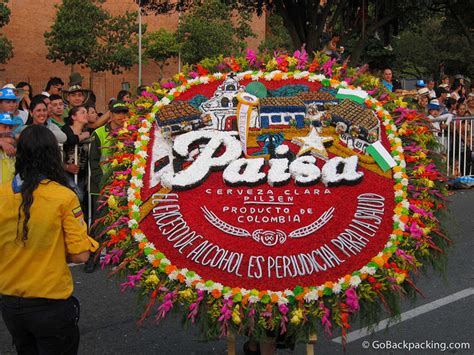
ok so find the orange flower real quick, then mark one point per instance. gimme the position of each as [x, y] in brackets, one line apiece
[277, 76]
[235, 290]
[142, 245]
[378, 260]
[274, 298]
[216, 293]
[170, 268]
[181, 278]
[404, 218]
[329, 284]
[156, 262]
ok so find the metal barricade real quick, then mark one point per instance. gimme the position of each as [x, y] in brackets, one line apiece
[456, 136]
[88, 195]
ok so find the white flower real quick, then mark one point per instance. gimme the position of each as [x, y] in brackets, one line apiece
[204, 79]
[150, 257]
[337, 288]
[319, 77]
[135, 208]
[228, 294]
[143, 154]
[150, 245]
[173, 275]
[165, 101]
[354, 281]
[368, 270]
[165, 261]
[399, 193]
[311, 296]
[217, 75]
[244, 291]
[288, 292]
[283, 300]
[139, 237]
[253, 299]
[132, 223]
[301, 75]
[388, 245]
[200, 286]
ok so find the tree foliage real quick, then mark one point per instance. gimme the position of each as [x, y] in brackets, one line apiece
[84, 33]
[277, 36]
[6, 46]
[160, 46]
[212, 29]
[359, 22]
[436, 45]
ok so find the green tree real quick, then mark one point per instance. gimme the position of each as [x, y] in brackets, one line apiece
[116, 46]
[160, 46]
[436, 44]
[84, 33]
[277, 37]
[212, 29]
[6, 46]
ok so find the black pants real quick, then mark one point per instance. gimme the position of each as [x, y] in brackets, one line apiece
[42, 326]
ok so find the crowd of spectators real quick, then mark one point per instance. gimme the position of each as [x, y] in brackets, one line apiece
[450, 99]
[70, 114]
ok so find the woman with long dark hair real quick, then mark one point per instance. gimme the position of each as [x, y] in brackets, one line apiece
[42, 230]
[39, 116]
[76, 148]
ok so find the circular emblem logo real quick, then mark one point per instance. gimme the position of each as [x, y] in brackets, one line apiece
[267, 193]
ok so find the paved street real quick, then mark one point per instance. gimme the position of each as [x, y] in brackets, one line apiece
[445, 315]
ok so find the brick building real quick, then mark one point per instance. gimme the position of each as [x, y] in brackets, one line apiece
[30, 19]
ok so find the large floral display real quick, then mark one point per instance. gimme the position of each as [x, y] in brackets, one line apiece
[273, 201]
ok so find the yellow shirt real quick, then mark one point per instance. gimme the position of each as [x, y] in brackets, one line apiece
[7, 167]
[38, 267]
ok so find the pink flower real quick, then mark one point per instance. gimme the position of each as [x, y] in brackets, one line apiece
[352, 300]
[168, 85]
[251, 56]
[302, 57]
[327, 67]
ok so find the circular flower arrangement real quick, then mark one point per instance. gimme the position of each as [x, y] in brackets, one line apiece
[329, 235]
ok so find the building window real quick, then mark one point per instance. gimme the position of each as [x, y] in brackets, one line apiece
[225, 102]
[230, 87]
[287, 119]
[235, 102]
[276, 119]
